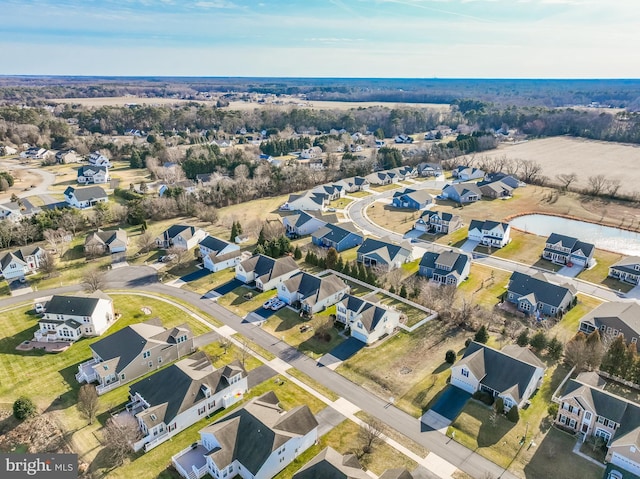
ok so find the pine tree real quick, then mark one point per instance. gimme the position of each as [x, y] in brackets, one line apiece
[332, 258]
[297, 254]
[482, 335]
[615, 360]
[340, 264]
[261, 238]
[403, 291]
[392, 289]
[539, 341]
[234, 232]
[555, 348]
[135, 161]
[513, 415]
[523, 338]
[372, 279]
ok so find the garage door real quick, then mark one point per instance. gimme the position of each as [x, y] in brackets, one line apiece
[358, 335]
[625, 463]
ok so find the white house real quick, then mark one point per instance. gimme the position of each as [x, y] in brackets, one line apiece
[180, 236]
[302, 223]
[367, 321]
[93, 174]
[67, 156]
[267, 272]
[311, 293]
[85, 197]
[218, 254]
[307, 201]
[69, 318]
[112, 241]
[513, 374]
[254, 442]
[17, 264]
[309, 153]
[17, 210]
[490, 233]
[176, 397]
[34, 153]
[96, 158]
[8, 150]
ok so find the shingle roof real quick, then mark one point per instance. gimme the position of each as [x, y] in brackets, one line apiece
[214, 244]
[335, 232]
[522, 285]
[86, 194]
[500, 370]
[72, 305]
[628, 264]
[565, 241]
[330, 464]
[624, 317]
[250, 434]
[107, 237]
[383, 251]
[396, 474]
[464, 188]
[371, 314]
[314, 289]
[267, 268]
[455, 262]
[185, 231]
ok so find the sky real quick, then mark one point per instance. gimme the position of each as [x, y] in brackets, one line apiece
[322, 38]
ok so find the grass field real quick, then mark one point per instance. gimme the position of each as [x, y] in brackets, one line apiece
[484, 285]
[236, 302]
[399, 220]
[122, 100]
[566, 155]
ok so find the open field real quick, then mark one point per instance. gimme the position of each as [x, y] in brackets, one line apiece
[565, 155]
[327, 105]
[399, 220]
[123, 100]
[484, 286]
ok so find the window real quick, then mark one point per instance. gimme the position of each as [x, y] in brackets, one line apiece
[159, 359]
[525, 306]
[153, 417]
[122, 377]
[587, 416]
[465, 373]
[146, 354]
[150, 364]
[201, 410]
[634, 340]
[603, 327]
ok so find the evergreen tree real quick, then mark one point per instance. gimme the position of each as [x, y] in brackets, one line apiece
[513, 415]
[322, 262]
[135, 161]
[362, 272]
[372, 279]
[450, 356]
[615, 360]
[555, 348]
[347, 269]
[261, 237]
[340, 264]
[539, 341]
[239, 227]
[259, 249]
[403, 291]
[234, 232]
[392, 289]
[297, 253]
[523, 338]
[482, 335]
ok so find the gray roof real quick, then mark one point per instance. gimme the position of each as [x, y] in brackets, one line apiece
[330, 464]
[185, 231]
[250, 434]
[464, 188]
[73, 305]
[20, 255]
[214, 244]
[180, 386]
[371, 313]
[488, 225]
[522, 285]
[267, 268]
[336, 232]
[625, 317]
[396, 474]
[125, 345]
[314, 289]
[440, 214]
[501, 371]
[419, 196]
[95, 168]
[25, 207]
[573, 244]
[86, 194]
[107, 237]
[628, 264]
[382, 251]
[453, 262]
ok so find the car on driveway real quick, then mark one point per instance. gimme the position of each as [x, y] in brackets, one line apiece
[269, 302]
[277, 304]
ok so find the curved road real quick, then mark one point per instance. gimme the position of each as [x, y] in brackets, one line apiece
[144, 278]
[356, 211]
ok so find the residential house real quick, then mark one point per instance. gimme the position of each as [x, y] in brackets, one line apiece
[403, 139]
[308, 200]
[381, 178]
[466, 173]
[98, 159]
[85, 197]
[490, 233]
[69, 318]
[185, 186]
[7, 150]
[397, 473]
[429, 169]
[134, 351]
[587, 410]
[512, 374]
[180, 236]
[34, 153]
[495, 189]
[222, 143]
[508, 180]
[218, 254]
[567, 250]
[612, 319]
[256, 441]
[302, 223]
[92, 174]
[438, 222]
[176, 397]
[17, 210]
[462, 192]
[67, 156]
[367, 321]
[412, 199]
[627, 270]
[448, 267]
[535, 295]
[330, 464]
[111, 241]
[17, 264]
[311, 293]
[310, 153]
[341, 236]
[383, 254]
[333, 192]
[266, 272]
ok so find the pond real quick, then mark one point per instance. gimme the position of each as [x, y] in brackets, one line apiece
[604, 237]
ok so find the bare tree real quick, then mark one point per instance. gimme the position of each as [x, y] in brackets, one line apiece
[93, 280]
[58, 239]
[119, 435]
[180, 256]
[208, 214]
[597, 184]
[7, 232]
[26, 232]
[146, 241]
[88, 401]
[225, 344]
[119, 213]
[612, 187]
[48, 264]
[566, 179]
[73, 221]
[370, 434]
[243, 352]
[93, 250]
[529, 170]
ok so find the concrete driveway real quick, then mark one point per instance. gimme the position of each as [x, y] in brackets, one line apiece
[341, 352]
[469, 245]
[259, 315]
[571, 271]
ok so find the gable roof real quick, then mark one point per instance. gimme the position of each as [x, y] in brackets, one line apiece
[383, 251]
[266, 268]
[522, 285]
[396, 474]
[452, 259]
[185, 231]
[83, 170]
[180, 386]
[503, 371]
[20, 255]
[464, 188]
[107, 237]
[371, 314]
[215, 244]
[336, 232]
[444, 216]
[314, 289]
[250, 434]
[488, 225]
[85, 194]
[624, 317]
[75, 305]
[419, 196]
[330, 464]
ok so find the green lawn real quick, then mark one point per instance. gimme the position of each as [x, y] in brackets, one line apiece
[380, 188]
[599, 273]
[254, 347]
[243, 300]
[360, 194]
[414, 315]
[524, 247]
[411, 268]
[397, 436]
[344, 439]
[457, 238]
[285, 325]
[326, 392]
[210, 281]
[568, 326]
[341, 203]
[484, 285]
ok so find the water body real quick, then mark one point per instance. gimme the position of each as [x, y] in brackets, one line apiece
[604, 237]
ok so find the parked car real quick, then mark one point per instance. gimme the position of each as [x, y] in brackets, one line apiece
[331, 210]
[277, 304]
[269, 302]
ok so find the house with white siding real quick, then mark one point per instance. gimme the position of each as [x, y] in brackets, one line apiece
[367, 321]
[218, 254]
[82, 198]
[266, 272]
[21, 262]
[490, 233]
[312, 293]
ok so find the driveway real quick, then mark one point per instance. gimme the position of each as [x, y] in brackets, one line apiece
[327, 419]
[571, 271]
[469, 245]
[118, 260]
[341, 352]
[18, 288]
[260, 315]
[201, 273]
[446, 408]
[259, 375]
[228, 286]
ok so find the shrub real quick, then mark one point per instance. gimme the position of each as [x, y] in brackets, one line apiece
[513, 415]
[523, 338]
[555, 348]
[484, 397]
[539, 341]
[482, 335]
[467, 342]
[450, 356]
[553, 409]
[24, 408]
[499, 405]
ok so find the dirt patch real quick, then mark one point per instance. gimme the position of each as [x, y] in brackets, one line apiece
[39, 434]
[24, 180]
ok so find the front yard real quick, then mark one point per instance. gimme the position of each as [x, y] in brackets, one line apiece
[484, 286]
[244, 300]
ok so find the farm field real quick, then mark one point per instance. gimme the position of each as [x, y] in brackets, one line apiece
[563, 155]
[122, 100]
[326, 105]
